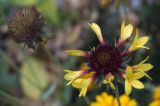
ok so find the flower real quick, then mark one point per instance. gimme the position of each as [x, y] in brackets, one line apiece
[26, 25]
[106, 61]
[108, 100]
[156, 97]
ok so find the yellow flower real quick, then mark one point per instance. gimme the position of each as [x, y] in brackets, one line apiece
[106, 61]
[131, 79]
[138, 42]
[126, 32]
[108, 100]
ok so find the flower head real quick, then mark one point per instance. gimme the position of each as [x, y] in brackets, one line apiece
[106, 61]
[108, 100]
[25, 25]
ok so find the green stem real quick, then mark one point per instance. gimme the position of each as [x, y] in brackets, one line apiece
[117, 93]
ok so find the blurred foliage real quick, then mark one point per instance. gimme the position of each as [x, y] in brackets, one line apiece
[33, 79]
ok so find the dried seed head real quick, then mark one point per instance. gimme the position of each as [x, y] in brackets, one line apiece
[26, 25]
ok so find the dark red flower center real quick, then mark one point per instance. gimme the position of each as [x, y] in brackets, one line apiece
[105, 59]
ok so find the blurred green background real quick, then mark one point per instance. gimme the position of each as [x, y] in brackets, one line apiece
[31, 77]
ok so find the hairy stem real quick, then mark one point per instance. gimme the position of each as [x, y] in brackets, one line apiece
[117, 93]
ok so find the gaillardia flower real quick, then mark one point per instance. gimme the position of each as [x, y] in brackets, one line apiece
[106, 61]
[108, 100]
[26, 25]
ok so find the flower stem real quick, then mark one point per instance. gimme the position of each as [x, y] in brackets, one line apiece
[117, 93]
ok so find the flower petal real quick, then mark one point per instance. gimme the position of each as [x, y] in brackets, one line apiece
[76, 52]
[138, 42]
[126, 32]
[144, 60]
[82, 84]
[129, 71]
[72, 74]
[97, 31]
[146, 75]
[83, 91]
[143, 67]
[110, 83]
[137, 75]
[137, 84]
[128, 87]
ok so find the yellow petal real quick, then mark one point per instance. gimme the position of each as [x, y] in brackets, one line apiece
[83, 92]
[139, 42]
[146, 75]
[88, 75]
[137, 84]
[82, 84]
[124, 99]
[122, 26]
[144, 60]
[72, 74]
[78, 83]
[110, 83]
[142, 41]
[155, 103]
[99, 98]
[137, 75]
[128, 87]
[97, 31]
[76, 52]
[126, 32]
[105, 82]
[143, 67]
[132, 102]
[129, 71]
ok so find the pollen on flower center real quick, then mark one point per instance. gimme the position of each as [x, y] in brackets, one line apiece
[105, 59]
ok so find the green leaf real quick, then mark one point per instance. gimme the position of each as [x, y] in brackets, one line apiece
[33, 78]
[24, 2]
